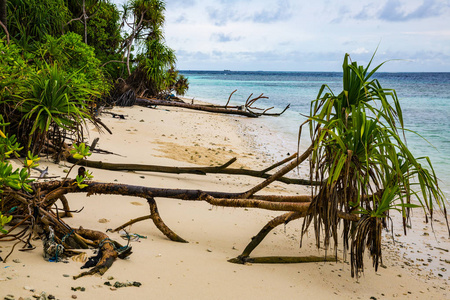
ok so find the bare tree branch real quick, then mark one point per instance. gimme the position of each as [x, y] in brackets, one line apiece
[6, 31]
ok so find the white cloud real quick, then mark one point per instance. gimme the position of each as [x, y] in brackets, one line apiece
[307, 35]
[360, 50]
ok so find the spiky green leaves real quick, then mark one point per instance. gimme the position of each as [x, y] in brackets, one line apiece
[362, 159]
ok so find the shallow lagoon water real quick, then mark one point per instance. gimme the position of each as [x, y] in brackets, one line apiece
[424, 97]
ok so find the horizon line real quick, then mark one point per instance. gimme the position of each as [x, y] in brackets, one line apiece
[194, 70]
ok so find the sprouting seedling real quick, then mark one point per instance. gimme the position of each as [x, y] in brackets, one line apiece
[80, 179]
[3, 221]
[31, 161]
[79, 152]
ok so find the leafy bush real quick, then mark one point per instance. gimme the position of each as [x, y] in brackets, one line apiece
[77, 58]
[14, 69]
[103, 32]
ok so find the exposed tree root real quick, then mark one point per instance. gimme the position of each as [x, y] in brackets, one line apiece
[159, 223]
[36, 209]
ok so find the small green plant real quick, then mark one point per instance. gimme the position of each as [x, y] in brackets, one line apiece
[18, 179]
[31, 161]
[79, 152]
[3, 221]
[80, 179]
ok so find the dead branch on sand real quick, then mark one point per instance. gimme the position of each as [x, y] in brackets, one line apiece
[248, 109]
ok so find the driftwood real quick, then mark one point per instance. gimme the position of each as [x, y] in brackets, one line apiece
[223, 169]
[247, 110]
[150, 168]
[151, 102]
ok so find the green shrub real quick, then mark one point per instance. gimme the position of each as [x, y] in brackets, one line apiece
[103, 33]
[14, 69]
[76, 58]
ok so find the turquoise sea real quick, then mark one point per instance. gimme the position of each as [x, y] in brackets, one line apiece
[424, 97]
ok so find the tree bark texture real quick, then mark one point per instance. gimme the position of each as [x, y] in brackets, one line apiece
[223, 169]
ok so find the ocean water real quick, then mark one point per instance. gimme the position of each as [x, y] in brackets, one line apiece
[424, 98]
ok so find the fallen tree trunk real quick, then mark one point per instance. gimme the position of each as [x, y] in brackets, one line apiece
[244, 110]
[270, 202]
[149, 168]
[223, 169]
[147, 102]
[288, 259]
[59, 188]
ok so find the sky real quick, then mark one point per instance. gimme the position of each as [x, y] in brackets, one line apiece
[308, 35]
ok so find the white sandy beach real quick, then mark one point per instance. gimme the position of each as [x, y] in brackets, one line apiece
[199, 269]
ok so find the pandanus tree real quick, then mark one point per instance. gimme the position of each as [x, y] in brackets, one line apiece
[361, 157]
[52, 107]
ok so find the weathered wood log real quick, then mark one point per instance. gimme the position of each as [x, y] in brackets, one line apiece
[147, 102]
[61, 188]
[244, 110]
[223, 169]
[150, 168]
[274, 202]
[254, 203]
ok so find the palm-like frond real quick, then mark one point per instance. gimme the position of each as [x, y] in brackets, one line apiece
[362, 160]
[51, 99]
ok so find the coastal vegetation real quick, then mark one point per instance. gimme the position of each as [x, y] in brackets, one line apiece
[70, 57]
[53, 82]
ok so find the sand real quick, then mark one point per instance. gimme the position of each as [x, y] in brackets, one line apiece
[199, 269]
